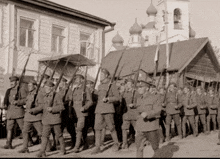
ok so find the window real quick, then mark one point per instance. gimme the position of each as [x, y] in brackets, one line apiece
[26, 33]
[57, 39]
[177, 19]
[84, 43]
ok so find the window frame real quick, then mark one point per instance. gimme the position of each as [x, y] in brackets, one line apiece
[58, 37]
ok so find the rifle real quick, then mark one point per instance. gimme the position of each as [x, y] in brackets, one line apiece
[136, 79]
[51, 77]
[160, 76]
[167, 89]
[96, 78]
[84, 88]
[21, 77]
[113, 76]
[58, 82]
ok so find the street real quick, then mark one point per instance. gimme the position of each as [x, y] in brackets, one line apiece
[201, 146]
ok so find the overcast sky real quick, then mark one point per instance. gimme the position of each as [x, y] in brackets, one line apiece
[204, 15]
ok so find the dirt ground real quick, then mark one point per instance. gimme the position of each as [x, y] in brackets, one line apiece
[201, 146]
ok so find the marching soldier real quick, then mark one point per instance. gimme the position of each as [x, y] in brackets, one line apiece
[147, 124]
[30, 119]
[15, 109]
[189, 102]
[212, 103]
[81, 111]
[104, 112]
[173, 110]
[130, 115]
[201, 107]
[51, 118]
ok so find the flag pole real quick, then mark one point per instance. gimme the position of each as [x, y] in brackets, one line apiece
[167, 46]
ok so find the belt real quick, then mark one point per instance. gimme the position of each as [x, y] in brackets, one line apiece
[77, 102]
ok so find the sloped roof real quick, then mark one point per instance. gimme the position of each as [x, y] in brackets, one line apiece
[150, 25]
[66, 10]
[181, 53]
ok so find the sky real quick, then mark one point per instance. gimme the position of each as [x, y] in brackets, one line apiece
[204, 15]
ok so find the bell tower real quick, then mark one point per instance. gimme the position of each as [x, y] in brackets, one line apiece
[177, 18]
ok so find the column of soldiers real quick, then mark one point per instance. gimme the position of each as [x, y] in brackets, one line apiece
[142, 108]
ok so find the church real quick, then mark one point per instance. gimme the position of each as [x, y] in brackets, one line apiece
[191, 60]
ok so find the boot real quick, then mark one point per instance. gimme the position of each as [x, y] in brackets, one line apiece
[44, 144]
[208, 127]
[184, 129]
[124, 138]
[78, 141]
[24, 150]
[161, 135]
[9, 140]
[103, 137]
[48, 147]
[168, 132]
[116, 145]
[97, 142]
[62, 146]
[25, 144]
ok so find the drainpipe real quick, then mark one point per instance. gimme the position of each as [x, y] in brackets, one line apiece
[103, 37]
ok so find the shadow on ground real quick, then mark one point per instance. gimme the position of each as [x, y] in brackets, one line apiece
[166, 151]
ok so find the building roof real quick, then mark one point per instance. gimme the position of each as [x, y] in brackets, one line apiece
[136, 28]
[150, 25]
[181, 54]
[151, 10]
[66, 10]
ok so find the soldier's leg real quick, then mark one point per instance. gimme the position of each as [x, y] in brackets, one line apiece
[184, 126]
[191, 119]
[72, 131]
[168, 122]
[99, 125]
[109, 119]
[153, 138]
[26, 130]
[55, 140]
[177, 121]
[9, 127]
[208, 123]
[197, 123]
[79, 127]
[118, 123]
[85, 132]
[39, 128]
[218, 119]
[139, 137]
[44, 140]
[103, 132]
[59, 136]
[213, 116]
[125, 128]
[160, 130]
[203, 121]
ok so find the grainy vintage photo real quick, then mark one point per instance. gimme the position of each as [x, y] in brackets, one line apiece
[109, 78]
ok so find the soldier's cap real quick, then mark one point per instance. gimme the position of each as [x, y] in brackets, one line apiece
[13, 78]
[130, 80]
[187, 86]
[46, 76]
[172, 83]
[79, 76]
[64, 80]
[89, 82]
[105, 71]
[49, 83]
[33, 82]
[142, 83]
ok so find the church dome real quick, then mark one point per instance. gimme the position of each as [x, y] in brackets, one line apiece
[151, 10]
[117, 39]
[192, 32]
[135, 29]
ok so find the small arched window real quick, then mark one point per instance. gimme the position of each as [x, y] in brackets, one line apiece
[177, 19]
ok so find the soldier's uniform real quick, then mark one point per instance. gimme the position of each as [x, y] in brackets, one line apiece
[218, 118]
[201, 107]
[15, 112]
[212, 103]
[147, 126]
[77, 98]
[130, 115]
[51, 119]
[104, 113]
[173, 112]
[189, 102]
[30, 119]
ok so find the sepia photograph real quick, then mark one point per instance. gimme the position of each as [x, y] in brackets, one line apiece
[109, 78]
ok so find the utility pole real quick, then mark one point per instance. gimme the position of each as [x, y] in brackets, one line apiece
[167, 46]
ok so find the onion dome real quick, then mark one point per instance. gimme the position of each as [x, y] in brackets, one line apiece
[192, 33]
[135, 29]
[117, 39]
[151, 10]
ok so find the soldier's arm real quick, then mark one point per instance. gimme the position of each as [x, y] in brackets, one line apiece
[179, 101]
[115, 94]
[193, 103]
[36, 110]
[6, 98]
[215, 103]
[89, 102]
[23, 96]
[58, 104]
